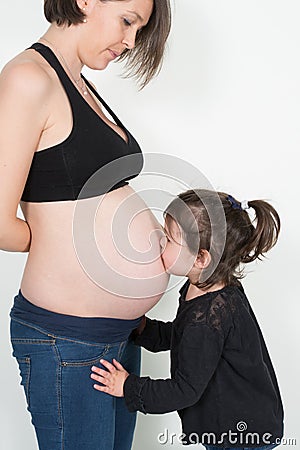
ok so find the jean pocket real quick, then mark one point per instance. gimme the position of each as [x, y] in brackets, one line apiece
[24, 367]
[80, 358]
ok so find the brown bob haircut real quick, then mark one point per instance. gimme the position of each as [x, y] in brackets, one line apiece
[145, 60]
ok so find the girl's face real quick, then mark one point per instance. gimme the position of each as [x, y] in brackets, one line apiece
[110, 29]
[177, 257]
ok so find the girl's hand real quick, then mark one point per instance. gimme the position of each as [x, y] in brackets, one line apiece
[113, 378]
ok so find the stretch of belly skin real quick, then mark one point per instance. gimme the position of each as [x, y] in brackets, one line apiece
[88, 270]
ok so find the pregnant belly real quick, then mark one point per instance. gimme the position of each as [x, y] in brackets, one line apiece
[99, 257]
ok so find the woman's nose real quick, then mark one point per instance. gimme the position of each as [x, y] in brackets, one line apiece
[129, 39]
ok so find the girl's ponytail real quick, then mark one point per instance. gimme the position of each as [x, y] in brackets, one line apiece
[265, 232]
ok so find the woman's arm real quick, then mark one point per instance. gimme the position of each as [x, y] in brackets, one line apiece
[154, 335]
[199, 354]
[23, 92]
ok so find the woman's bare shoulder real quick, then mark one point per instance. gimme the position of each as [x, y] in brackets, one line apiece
[26, 73]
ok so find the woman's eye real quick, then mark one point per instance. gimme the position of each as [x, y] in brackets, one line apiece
[126, 22]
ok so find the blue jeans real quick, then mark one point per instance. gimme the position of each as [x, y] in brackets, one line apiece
[66, 411]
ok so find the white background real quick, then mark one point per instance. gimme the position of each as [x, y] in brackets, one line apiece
[227, 101]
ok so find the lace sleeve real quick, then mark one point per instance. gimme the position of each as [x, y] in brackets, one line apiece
[217, 315]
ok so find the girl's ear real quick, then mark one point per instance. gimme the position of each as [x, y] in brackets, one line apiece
[203, 259]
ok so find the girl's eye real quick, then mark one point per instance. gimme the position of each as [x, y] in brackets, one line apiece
[126, 22]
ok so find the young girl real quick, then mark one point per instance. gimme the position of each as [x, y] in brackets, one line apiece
[222, 380]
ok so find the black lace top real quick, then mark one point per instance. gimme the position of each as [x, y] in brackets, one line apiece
[222, 381]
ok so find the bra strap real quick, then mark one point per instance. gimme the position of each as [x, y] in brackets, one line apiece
[91, 87]
[53, 61]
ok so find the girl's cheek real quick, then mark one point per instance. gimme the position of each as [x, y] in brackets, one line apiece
[184, 262]
[171, 263]
[167, 259]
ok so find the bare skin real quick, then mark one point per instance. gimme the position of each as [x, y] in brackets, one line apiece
[35, 114]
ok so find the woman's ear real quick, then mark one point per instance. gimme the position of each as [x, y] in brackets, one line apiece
[86, 6]
[82, 4]
[203, 259]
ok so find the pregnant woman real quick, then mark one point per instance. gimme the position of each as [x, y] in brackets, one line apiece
[77, 305]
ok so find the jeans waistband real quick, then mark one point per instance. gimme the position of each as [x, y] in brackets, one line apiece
[94, 329]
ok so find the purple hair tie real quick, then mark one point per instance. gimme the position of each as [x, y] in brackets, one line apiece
[238, 205]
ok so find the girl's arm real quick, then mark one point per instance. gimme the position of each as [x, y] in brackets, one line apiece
[153, 335]
[200, 350]
[23, 89]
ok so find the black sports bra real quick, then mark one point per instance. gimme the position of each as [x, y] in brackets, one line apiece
[92, 160]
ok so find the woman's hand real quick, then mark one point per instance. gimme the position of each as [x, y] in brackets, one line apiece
[113, 378]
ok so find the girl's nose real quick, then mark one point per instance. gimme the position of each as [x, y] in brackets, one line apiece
[163, 243]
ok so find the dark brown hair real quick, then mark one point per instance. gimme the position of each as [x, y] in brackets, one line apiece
[218, 224]
[145, 60]
[63, 12]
